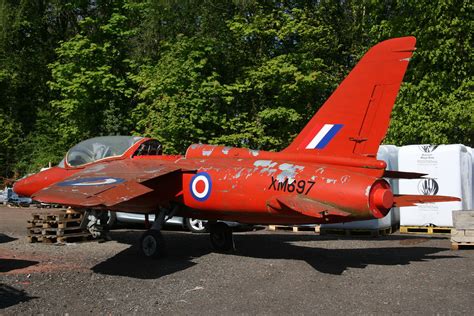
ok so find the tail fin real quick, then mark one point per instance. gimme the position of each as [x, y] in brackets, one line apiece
[355, 118]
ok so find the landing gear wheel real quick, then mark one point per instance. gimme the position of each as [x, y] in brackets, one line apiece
[152, 244]
[221, 237]
[195, 225]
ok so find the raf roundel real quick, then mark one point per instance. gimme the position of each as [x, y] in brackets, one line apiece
[96, 181]
[200, 186]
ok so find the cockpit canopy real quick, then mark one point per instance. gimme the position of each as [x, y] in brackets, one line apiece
[98, 148]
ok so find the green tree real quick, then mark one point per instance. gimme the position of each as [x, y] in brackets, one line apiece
[90, 78]
[254, 82]
[435, 105]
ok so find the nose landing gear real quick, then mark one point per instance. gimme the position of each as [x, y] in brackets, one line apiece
[152, 243]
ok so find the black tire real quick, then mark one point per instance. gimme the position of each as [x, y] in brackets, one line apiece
[195, 225]
[152, 244]
[221, 237]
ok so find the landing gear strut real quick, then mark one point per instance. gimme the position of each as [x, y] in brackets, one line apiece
[152, 243]
[221, 236]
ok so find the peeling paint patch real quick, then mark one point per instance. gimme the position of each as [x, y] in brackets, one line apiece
[367, 190]
[331, 181]
[207, 153]
[320, 170]
[264, 163]
[154, 170]
[288, 171]
[313, 178]
[238, 174]
[254, 152]
[344, 179]
[226, 150]
[268, 166]
[270, 171]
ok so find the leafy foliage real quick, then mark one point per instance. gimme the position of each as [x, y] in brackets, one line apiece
[242, 73]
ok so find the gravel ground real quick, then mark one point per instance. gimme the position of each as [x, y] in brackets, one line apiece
[269, 273]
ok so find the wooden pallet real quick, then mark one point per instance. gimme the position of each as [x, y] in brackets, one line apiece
[462, 245]
[295, 228]
[352, 232]
[54, 224]
[57, 216]
[57, 227]
[425, 230]
[51, 239]
[54, 231]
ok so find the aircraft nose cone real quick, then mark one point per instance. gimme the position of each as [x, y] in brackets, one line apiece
[32, 184]
[24, 187]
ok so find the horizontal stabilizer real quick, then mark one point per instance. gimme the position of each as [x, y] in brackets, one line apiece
[403, 175]
[305, 206]
[412, 200]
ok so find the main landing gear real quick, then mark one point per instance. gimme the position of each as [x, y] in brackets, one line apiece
[221, 236]
[152, 243]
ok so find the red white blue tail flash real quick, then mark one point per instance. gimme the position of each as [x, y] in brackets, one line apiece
[324, 136]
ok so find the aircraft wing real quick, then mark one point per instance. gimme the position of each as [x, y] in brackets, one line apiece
[306, 206]
[112, 184]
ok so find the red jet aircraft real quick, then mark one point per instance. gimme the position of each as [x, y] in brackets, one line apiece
[328, 174]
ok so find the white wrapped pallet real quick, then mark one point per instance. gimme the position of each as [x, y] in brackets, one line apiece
[449, 170]
[471, 152]
[389, 154]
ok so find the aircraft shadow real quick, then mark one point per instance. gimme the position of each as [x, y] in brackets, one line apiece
[335, 261]
[14, 264]
[10, 296]
[182, 248]
[5, 238]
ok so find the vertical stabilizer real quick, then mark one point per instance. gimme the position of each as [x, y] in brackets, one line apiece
[355, 118]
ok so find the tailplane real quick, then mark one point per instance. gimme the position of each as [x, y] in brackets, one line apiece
[355, 118]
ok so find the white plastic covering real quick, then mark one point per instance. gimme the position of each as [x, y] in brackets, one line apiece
[471, 152]
[389, 154]
[449, 168]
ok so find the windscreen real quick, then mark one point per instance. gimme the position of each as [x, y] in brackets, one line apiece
[99, 148]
